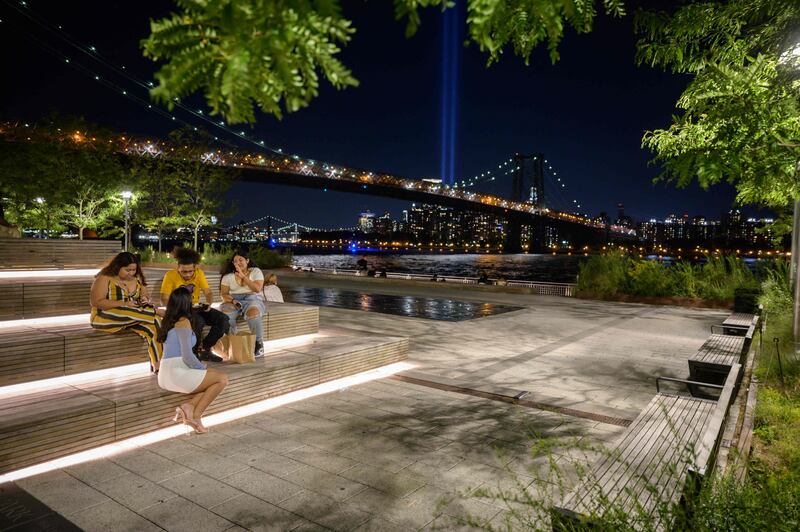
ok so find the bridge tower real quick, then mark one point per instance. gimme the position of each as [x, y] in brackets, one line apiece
[528, 181]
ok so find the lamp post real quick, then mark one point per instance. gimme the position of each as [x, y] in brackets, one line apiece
[126, 195]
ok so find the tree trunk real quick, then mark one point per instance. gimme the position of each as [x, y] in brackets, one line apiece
[80, 233]
[196, 231]
[159, 240]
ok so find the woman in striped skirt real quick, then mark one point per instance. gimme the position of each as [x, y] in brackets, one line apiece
[120, 301]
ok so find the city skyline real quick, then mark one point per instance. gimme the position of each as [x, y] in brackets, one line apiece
[589, 128]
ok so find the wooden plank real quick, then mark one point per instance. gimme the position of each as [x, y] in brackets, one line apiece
[46, 424]
[27, 252]
[27, 355]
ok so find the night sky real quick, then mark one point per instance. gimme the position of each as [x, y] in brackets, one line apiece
[586, 113]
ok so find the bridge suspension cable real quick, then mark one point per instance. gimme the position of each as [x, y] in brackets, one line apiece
[559, 184]
[24, 9]
[290, 224]
[491, 174]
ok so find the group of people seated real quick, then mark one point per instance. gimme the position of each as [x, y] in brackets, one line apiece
[176, 347]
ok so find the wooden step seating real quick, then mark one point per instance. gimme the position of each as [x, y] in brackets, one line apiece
[659, 459]
[38, 298]
[741, 321]
[55, 253]
[33, 352]
[715, 357]
[42, 425]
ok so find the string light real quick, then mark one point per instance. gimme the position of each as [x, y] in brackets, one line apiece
[303, 167]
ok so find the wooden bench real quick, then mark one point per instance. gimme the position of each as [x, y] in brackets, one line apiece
[657, 464]
[29, 353]
[38, 298]
[715, 357]
[55, 253]
[41, 425]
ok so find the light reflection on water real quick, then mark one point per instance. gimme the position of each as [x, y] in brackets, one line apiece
[552, 268]
[410, 306]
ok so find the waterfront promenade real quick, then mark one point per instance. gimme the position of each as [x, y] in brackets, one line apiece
[382, 455]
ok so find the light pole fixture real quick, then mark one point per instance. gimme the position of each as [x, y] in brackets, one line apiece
[127, 195]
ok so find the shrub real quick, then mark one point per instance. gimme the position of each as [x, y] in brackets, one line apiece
[650, 278]
[268, 258]
[719, 277]
[216, 256]
[685, 280]
[604, 275]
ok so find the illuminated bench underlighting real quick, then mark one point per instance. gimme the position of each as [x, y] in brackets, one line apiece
[129, 370]
[48, 274]
[210, 421]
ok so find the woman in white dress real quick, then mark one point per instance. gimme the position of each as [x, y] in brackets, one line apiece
[180, 370]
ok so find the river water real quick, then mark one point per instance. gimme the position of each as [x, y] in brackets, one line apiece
[552, 268]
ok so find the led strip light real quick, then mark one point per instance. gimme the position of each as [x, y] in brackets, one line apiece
[150, 438]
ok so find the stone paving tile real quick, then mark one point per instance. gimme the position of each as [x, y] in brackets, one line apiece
[96, 471]
[326, 461]
[376, 524]
[325, 511]
[235, 429]
[268, 461]
[201, 489]
[149, 465]
[174, 447]
[255, 514]
[466, 508]
[63, 493]
[210, 464]
[221, 444]
[262, 485]
[180, 514]
[111, 515]
[135, 492]
[394, 484]
[270, 441]
[334, 486]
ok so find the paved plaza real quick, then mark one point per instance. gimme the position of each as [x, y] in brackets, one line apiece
[404, 453]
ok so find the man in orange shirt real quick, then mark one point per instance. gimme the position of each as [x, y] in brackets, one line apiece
[188, 275]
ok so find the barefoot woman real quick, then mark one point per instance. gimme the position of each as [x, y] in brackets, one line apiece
[180, 369]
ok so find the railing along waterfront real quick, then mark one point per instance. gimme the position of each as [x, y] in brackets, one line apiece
[539, 287]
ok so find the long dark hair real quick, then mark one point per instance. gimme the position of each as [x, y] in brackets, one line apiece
[121, 260]
[228, 267]
[179, 306]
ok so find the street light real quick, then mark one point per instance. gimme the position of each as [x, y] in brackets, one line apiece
[127, 195]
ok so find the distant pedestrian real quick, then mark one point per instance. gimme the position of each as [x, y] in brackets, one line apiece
[484, 279]
[362, 265]
[382, 275]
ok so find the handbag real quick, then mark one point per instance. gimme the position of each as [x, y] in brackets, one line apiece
[238, 348]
